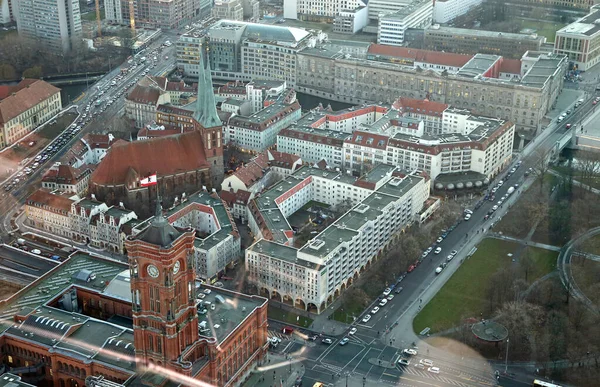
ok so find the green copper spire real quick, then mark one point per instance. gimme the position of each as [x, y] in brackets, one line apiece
[206, 108]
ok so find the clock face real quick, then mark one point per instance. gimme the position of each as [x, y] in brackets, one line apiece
[176, 267]
[153, 271]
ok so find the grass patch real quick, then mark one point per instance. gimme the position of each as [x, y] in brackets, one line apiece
[6, 34]
[346, 314]
[52, 131]
[288, 317]
[544, 262]
[91, 16]
[586, 273]
[463, 295]
[315, 204]
[547, 29]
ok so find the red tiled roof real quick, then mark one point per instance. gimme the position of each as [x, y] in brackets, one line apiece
[185, 153]
[511, 66]
[144, 94]
[44, 198]
[282, 160]
[27, 94]
[181, 86]
[171, 131]
[368, 139]
[417, 55]
[423, 106]
[250, 173]
[102, 141]
[66, 174]
[240, 197]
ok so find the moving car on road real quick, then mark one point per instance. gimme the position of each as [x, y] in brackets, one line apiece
[434, 370]
[404, 362]
[327, 341]
[344, 341]
[409, 352]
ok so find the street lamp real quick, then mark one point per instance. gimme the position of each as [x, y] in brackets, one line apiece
[506, 360]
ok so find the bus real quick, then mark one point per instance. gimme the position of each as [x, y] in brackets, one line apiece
[541, 383]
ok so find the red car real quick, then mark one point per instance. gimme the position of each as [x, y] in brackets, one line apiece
[287, 330]
[595, 102]
[411, 268]
[568, 126]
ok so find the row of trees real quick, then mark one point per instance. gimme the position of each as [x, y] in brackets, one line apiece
[20, 58]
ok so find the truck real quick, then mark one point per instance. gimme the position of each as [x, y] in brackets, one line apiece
[510, 190]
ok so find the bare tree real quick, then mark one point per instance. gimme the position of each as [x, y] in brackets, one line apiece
[541, 164]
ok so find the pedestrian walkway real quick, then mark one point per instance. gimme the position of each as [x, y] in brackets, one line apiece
[527, 241]
[277, 371]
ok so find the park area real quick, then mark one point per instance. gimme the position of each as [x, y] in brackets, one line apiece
[471, 293]
[543, 28]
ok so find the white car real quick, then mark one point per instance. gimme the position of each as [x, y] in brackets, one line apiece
[494, 208]
[387, 291]
[383, 302]
[352, 331]
[434, 370]
[437, 250]
[366, 318]
[439, 240]
[405, 362]
[409, 352]
[449, 257]
[426, 362]
[375, 310]
[500, 183]
[467, 216]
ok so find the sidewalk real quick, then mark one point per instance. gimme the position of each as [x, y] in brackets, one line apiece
[276, 372]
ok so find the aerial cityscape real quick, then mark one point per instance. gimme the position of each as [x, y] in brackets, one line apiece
[288, 193]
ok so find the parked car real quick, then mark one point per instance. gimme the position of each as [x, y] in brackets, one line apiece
[438, 250]
[366, 318]
[344, 341]
[375, 310]
[352, 331]
[387, 291]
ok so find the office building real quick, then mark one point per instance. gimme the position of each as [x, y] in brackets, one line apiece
[378, 8]
[444, 11]
[392, 26]
[165, 14]
[228, 9]
[351, 21]
[24, 107]
[580, 41]
[466, 41]
[384, 202]
[489, 86]
[251, 10]
[55, 24]
[117, 11]
[319, 10]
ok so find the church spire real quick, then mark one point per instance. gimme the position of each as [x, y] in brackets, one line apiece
[206, 110]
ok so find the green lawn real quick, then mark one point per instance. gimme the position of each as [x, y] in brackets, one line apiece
[544, 262]
[278, 314]
[547, 29]
[464, 295]
[91, 16]
[345, 314]
[51, 131]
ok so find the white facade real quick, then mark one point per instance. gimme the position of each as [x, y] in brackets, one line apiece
[55, 23]
[384, 7]
[113, 11]
[326, 9]
[392, 27]
[6, 11]
[316, 274]
[444, 11]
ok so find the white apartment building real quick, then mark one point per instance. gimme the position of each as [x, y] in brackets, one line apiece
[318, 10]
[392, 26]
[217, 243]
[228, 9]
[580, 40]
[259, 91]
[54, 23]
[7, 9]
[454, 141]
[258, 131]
[312, 277]
[117, 11]
[27, 105]
[444, 11]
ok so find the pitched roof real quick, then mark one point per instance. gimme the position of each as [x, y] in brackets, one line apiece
[27, 94]
[186, 153]
[423, 106]
[368, 139]
[103, 141]
[424, 56]
[144, 94]
[43, 198]
[241, 197]
[281, 159]
[66, 174]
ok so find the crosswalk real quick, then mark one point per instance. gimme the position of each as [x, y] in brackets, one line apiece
[468, 382]
[278, 334]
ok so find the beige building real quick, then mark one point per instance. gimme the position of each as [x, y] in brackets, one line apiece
[228, 9]
[49, 212]
[580, 41]
[26, 106]
[480, 85]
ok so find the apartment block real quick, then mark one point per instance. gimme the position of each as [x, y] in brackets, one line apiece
[313, 276]
[392, 26]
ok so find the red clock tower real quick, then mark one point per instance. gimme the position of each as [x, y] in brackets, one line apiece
[165, 320]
